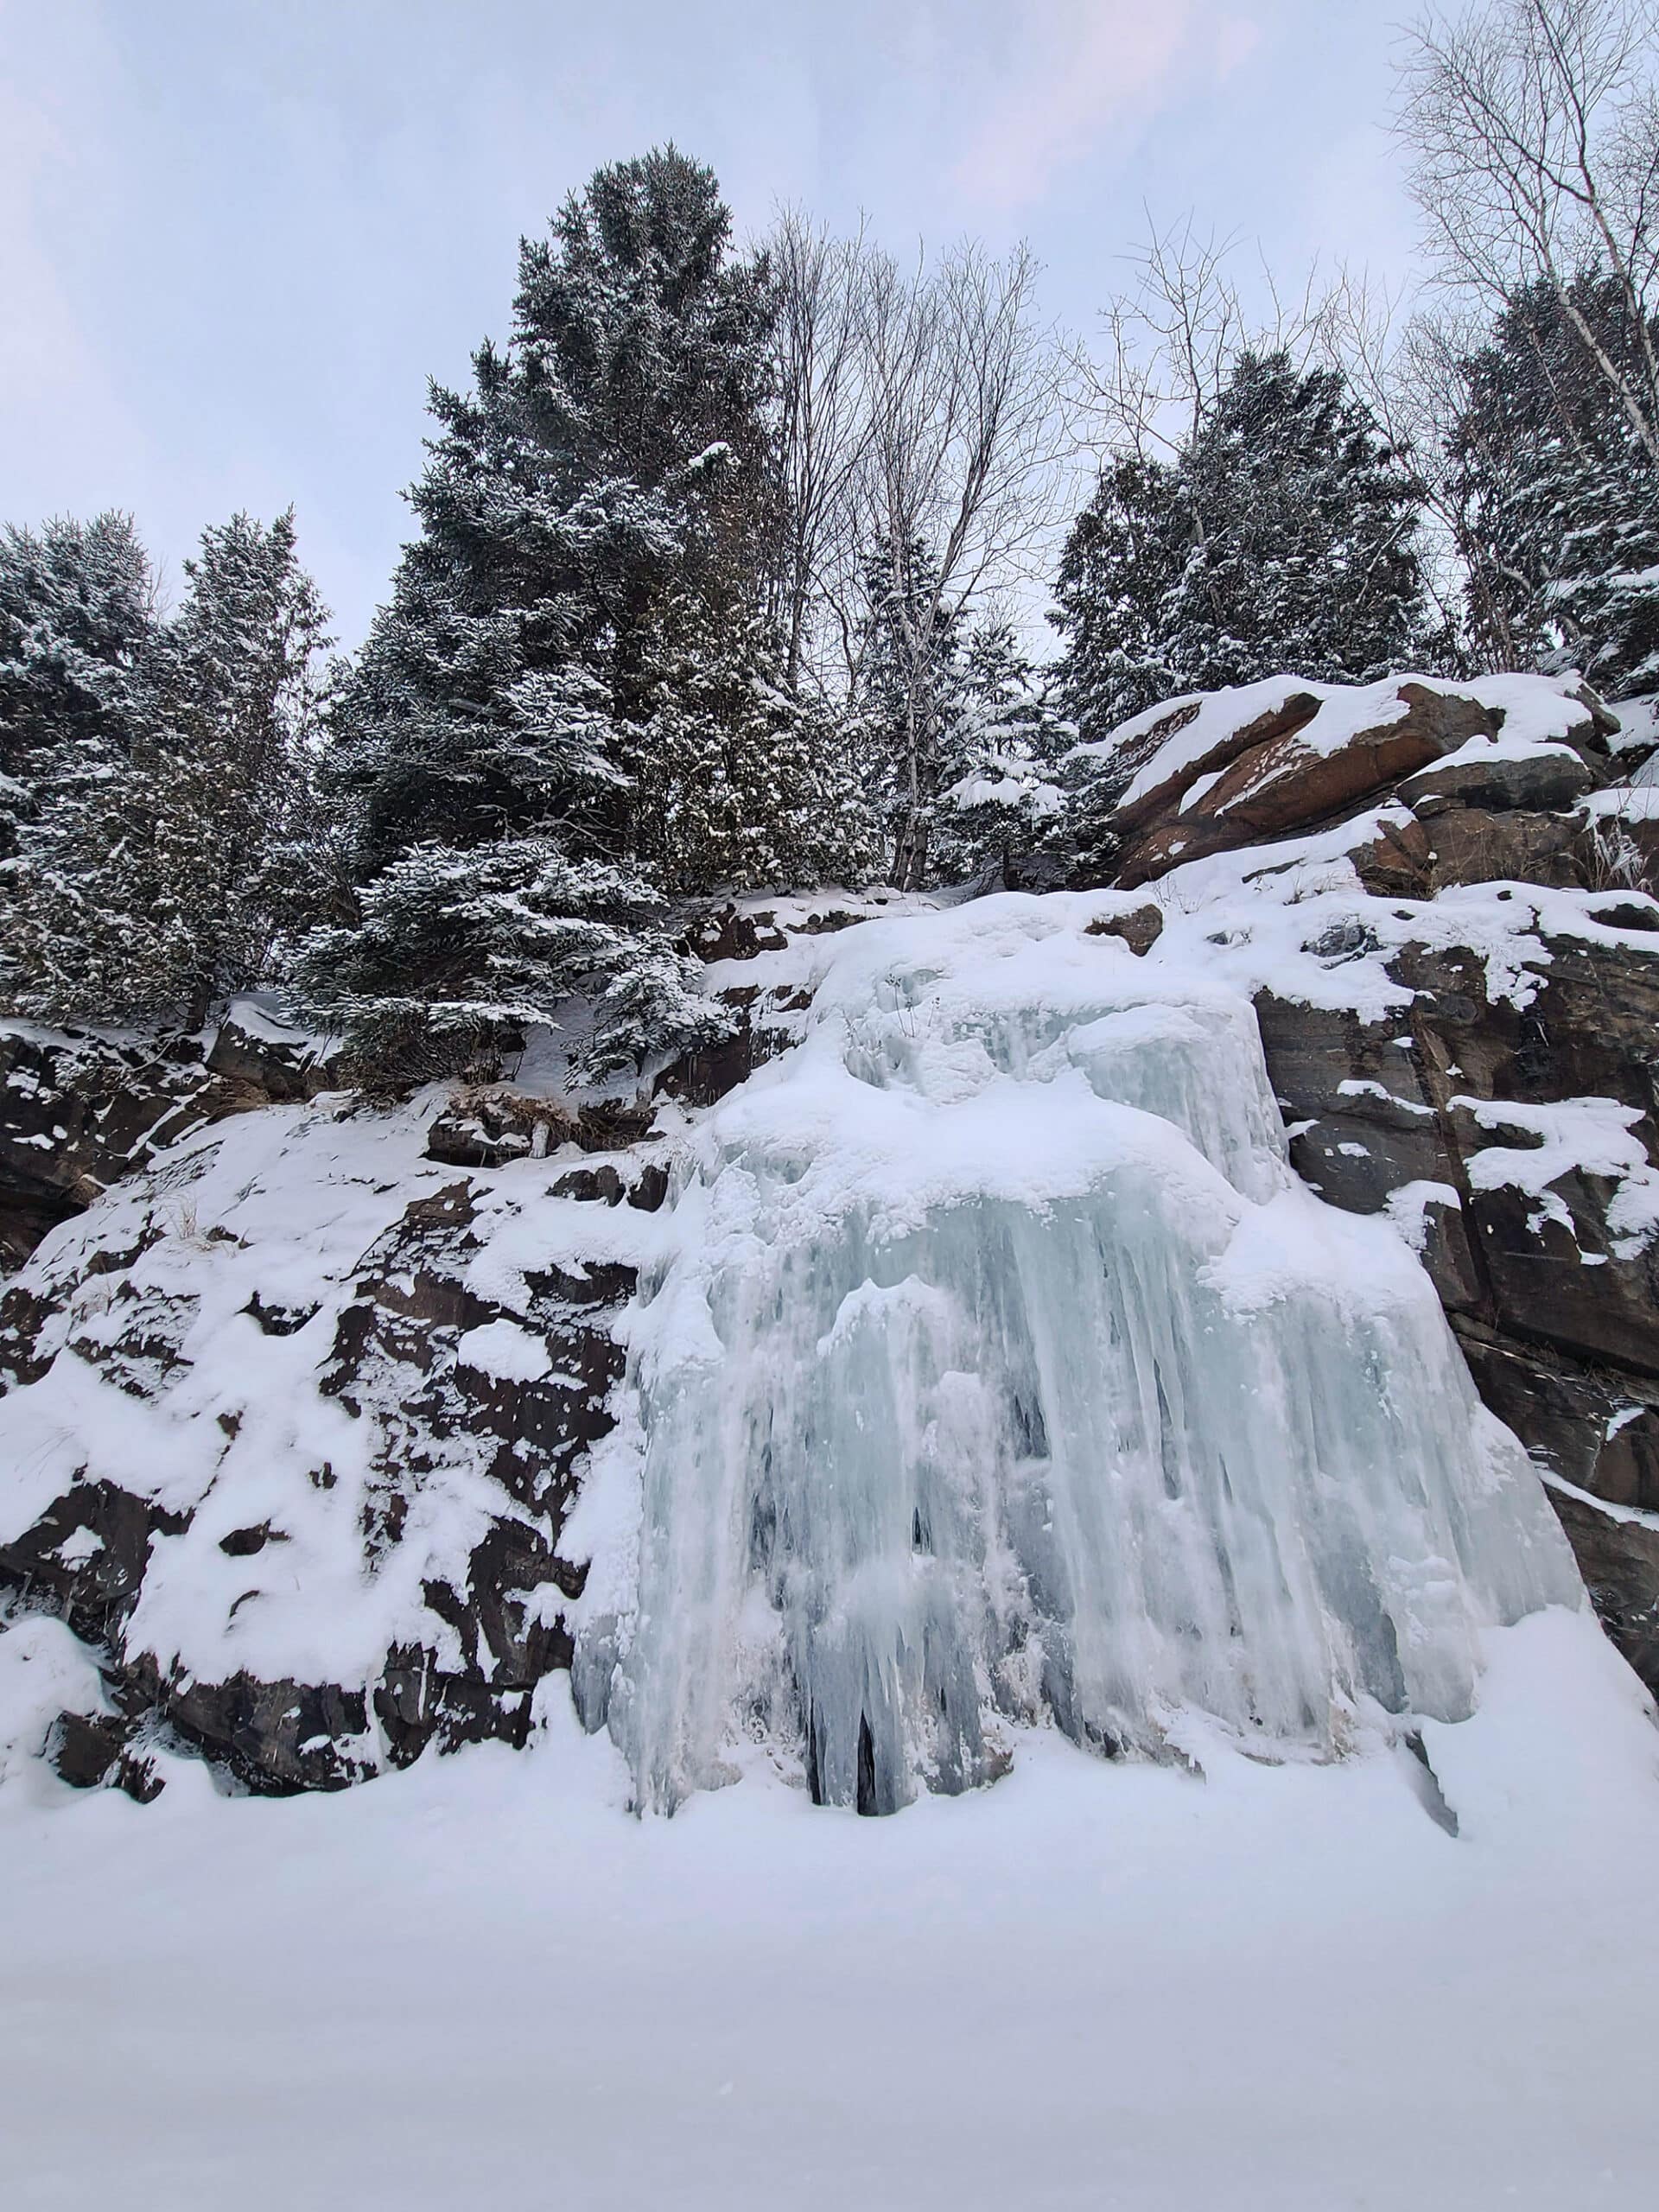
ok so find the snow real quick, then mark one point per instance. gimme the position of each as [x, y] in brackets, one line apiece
[1275, 1989]
[44, 1671]
[1595, 1136]
[1537, 712]
[505, 1351]
[1634, 802]
[1246, 1965]
[998, 1370]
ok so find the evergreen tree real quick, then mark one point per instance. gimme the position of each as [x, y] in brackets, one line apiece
[740, 784]
[570, 660]
[1123, 562]
[1557, 496]
[77, 627]
[909, 677]
[1004, 739]
[1283, 537]
[157, 859]
[988, 735]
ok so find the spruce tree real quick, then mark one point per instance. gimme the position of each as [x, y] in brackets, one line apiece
[77, 627]
[570, 662]
[909, 676]
[1122, 563]
[1558, 497]
[156, 862]
[1284, 536]
[1004, 739]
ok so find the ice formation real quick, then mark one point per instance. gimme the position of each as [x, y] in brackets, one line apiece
[1000, 1371]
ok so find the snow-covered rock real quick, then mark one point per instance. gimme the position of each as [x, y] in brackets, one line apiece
[936, 1359]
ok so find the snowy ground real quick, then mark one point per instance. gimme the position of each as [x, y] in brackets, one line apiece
[483, 1983]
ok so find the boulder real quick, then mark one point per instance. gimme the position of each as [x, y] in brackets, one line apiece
[1139, 929]
[1289, 780]
[1540, 779]
[1274, 726]
[1465, 846]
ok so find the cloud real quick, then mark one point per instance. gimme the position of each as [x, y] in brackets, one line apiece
[1082, 67]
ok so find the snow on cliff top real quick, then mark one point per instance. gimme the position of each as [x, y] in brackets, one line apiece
[1537, 710]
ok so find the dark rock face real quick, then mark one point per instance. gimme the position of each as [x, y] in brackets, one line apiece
[1558, 1316]
[78, 1113]
[1620, 1561]
[473, 1379]
[1557, 1311]
[397, 1364]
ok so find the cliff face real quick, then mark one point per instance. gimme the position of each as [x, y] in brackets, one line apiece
[1507, 1111]
[296, 1395]
[303, 1401]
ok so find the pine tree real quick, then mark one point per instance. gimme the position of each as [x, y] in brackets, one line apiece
[1123, 560]
[456, 952]
[909, 676]
[1004, 739]
[154, 866]
[570, 659]
[1283, 537]
[77, 627]
[742, 785]
[1558, 497]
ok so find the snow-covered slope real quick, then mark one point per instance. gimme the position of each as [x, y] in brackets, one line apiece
[977, 1363]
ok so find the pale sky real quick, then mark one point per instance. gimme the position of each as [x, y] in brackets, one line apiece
[238, 236]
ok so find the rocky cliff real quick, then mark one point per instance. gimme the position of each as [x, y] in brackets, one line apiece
[1508, 1112]
[302, 1397]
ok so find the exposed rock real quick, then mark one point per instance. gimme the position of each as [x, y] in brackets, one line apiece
[1558, 1314]
[457, 1402]
[1278, 723]
[1288, 781]
[1469, 847]
[1548, 777]
[1618, 1559]
[1139, 929]
[79, 1112]
[274, 1064]
[90, 1750]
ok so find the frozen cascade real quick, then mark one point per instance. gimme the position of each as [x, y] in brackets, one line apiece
[1001, 1371]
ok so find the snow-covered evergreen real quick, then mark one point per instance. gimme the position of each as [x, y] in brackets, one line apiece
[1558, 497]
[164, 838]
[77, 623]
[1283, 535]
[571, 661]
[957, 727]
[1001, 747]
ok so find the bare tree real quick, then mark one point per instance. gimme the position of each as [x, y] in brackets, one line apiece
[1173, 336]
[1536, 126]
[971, 421]
[823, 424]
[1410, 371]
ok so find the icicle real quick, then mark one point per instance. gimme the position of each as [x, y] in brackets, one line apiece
[1003, 1374]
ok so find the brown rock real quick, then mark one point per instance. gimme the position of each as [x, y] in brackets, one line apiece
[1279, 723]
[1470, 846]
[1139, 929]
[1282, 783]
[1537, 781]
[1285, 784]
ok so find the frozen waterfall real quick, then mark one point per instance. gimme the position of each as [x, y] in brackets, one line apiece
[1001, 1372]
